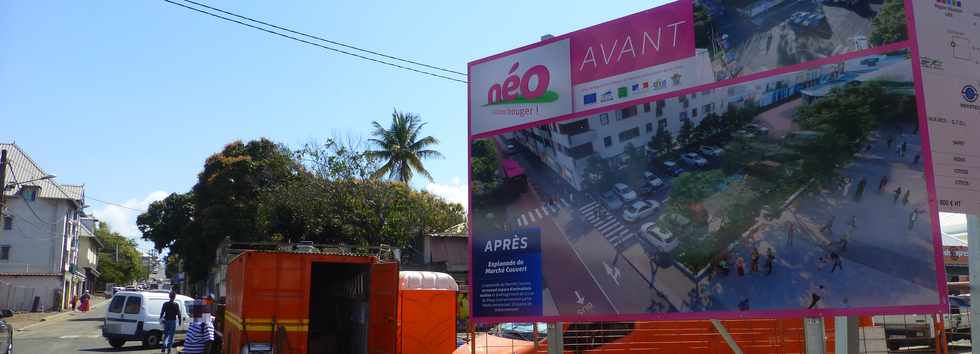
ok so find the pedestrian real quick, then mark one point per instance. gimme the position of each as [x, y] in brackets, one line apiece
[905, 147]
[85, 301]
[843, 240]
[860, 188]
[905, 199]
[755, 260]
[868, 148]
[769, 259]
[835, 259]
[73, 301]
[853, 223]
[821, 263]
[740, 266]
[815, 297]
[882, 183]
[789, 233]
[890, 140]
[743, 305]
[898, 193]
[913, 216]
[723, 266]
[200, 333]
[915, 161]
[829, 225]
[898, 150]
[171, 318]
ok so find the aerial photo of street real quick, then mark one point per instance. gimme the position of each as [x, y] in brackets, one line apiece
[803, 190]
[750, 36]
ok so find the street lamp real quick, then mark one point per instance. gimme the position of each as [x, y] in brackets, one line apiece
[11, 185]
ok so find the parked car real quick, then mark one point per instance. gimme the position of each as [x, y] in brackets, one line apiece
[624, 192]
[673, 168]
[693, 159]
[135, 316]
[511, 148]
[758, 129]
[870, 61]
[710, 150]
[796, 17]
[7, 335]
[661, 238]
[640, 209]
[611, 200]
[651, 183]
[742, 133]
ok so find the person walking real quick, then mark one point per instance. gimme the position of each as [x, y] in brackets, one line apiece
[898, 193]
[755, 260]
[853, 224]
[905, 199]
[740, 267]
[915, 161]
[815, 297]
[844, 239]
[74, 300]
[789, 233]
[828, 227]
[913, 216]
[891, 139]
[860, 188]
[882, 183]
[171, 318]
[905, 146]
[200, 333]
[769, 260]
[835, 258]
[85, 301]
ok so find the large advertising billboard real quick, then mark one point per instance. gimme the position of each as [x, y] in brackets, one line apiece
[706, 159]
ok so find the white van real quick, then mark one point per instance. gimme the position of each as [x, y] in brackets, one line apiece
[135, 316]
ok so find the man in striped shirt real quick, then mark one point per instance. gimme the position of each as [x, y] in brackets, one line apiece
[200, 333]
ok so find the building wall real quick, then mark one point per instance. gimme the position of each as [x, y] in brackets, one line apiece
[38, 238]
[48, 289]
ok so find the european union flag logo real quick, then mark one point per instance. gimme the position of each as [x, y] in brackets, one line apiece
[589, 99]
[636, 87]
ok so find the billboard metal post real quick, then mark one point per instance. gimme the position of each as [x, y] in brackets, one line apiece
[973, 247]
[727, 336]
[815, 337]
[846, 335]
[556, 344]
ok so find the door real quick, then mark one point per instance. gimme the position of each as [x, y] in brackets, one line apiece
[185, 319]
[383, 300]
[114, 315]
[130, 315]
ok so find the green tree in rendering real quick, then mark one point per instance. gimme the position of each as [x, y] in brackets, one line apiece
[889, 25]
[401, 147]
[693, 187]
[662, 141]
[686, 135]
[599, 176]
[702, 25]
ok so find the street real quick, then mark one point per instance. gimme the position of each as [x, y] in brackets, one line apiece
[75, 333]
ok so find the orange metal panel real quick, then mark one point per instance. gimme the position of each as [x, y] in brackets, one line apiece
[382, 324]
[427, 321]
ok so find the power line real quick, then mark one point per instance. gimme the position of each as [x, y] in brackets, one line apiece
[317, 44]
[325, 40]
[114, 204]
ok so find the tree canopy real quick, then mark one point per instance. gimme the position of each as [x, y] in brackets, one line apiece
[401, 148]
[889, 25]
[119, 262]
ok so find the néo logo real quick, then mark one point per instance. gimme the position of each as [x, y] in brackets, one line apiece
[531, 87]
[969, 93]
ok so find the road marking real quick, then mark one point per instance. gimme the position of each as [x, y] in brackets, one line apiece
[613, 272]
[562, 200]
[531, 216]
[70, 337]
[538, 211]
[586, 208]
[604, 223]
[523, 221]
[545, 210]
[614, 230]
[581, 299]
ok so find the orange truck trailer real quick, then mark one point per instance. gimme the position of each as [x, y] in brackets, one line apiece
[286, 302]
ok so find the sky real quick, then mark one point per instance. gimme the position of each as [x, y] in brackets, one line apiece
[130, 97]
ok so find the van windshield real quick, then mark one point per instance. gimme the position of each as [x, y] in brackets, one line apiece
[117, 304]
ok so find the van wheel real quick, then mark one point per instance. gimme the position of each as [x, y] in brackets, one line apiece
[152, 339]
[117, 343]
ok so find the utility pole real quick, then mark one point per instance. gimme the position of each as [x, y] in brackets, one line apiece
[3, 179]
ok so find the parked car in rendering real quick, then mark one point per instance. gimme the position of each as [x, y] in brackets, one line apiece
[758, 129]
[672, 167]
[710, 150]
[693, 159]
[639, 210]
[651, 183]
[624, 192]
[742, 133]
[611, 200]
[659, 237]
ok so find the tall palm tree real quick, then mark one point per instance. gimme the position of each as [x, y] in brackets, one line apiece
[401, 149]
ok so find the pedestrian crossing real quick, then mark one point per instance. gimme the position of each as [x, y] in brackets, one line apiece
[606, 223]
[536, 214]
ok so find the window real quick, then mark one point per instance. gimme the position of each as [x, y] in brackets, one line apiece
[683, 115]
[662, 124]
[649, 127]
[629, 134]
[116, 305]
[646, 107]
[607, 141]
[694, 112]
[5, 252]
[604, 119]
[133, 305]
[694, 95]
[29, 193]
[627, 112]
[8, 222]
[708, 108]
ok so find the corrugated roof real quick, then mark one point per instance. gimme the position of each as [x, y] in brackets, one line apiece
[21, 167]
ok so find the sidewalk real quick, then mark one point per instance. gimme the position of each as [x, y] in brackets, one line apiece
[24, 320]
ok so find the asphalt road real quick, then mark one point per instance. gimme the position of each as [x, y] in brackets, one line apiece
[75, 333]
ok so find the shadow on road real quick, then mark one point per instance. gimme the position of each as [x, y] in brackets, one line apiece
[113, 350]
[93, 319]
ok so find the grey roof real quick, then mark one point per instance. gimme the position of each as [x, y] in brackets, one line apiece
[20, 167]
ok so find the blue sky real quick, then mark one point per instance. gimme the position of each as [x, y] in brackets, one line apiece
[130, 97]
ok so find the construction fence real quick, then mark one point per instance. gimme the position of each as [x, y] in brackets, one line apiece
[17, 298]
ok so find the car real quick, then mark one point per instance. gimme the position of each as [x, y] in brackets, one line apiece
[659, 237]
[673, 168]
[758, 129]
[611, 200]
[624, 192]
[742, 133]
[870, 61]
[6, 333]
[693, 159]
[511, 149]
[797, 15]
[639, 210]
[652, 179]
[709, 150]
[135, 316]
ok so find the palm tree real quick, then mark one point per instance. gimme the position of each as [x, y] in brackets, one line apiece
[401, 149]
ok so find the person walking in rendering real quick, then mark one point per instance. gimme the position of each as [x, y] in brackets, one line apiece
[905, 146]
[843, 240]
[769, 259]
[853, 224]
[171, 318]
[815, 297]
[829, 225]
[882, 183]
[913, 216]
[740, 267]
[860, 188]
[755, 260]
[915, 161]
[835, 258]
[789, 233]
[898, 193]
[905, 199]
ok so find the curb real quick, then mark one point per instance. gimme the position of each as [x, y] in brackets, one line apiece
[61, 315]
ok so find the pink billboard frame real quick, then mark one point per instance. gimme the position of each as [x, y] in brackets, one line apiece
[910, 44]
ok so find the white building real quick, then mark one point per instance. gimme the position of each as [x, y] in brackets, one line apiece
[40, 232]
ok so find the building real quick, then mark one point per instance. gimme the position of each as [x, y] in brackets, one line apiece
[40, 234]
[89, 246]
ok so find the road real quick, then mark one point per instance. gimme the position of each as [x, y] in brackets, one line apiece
[76, 333]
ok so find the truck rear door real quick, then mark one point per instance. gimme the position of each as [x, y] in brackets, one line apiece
[382, 326]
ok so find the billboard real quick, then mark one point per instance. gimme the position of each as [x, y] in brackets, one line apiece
[706, 159]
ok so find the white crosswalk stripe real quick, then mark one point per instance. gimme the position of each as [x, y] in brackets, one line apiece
[606, 223]
[523, 221]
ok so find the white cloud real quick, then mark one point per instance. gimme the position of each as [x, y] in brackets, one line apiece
[123, 220]
[454, 192]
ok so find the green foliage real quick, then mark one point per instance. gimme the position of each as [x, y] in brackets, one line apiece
[484, 161]
[685, 135]
[702, 23]
[401, 148]
[662, 141]
[889, 25]
[599, 175]
[692, 187]
[119, 262]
